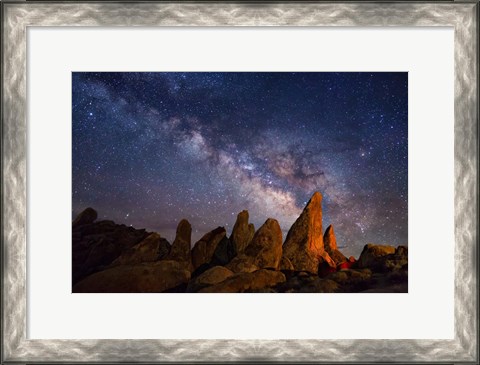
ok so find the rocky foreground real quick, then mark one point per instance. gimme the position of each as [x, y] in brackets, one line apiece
[112, 258]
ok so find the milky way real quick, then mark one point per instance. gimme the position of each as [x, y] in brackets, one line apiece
[152, 148]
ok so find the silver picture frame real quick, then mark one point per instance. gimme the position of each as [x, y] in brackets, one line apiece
[17, 16]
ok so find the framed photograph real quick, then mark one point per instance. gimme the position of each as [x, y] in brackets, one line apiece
[240, 181]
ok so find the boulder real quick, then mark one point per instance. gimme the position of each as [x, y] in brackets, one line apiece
[242, 232]
[304, 243]
[152, 248]
[330, 244]
[242, 264]
[247, 282]
[371, 256]
[204, 249]
[87, 216]
[154, 277]
[212, 276]
[181, 246]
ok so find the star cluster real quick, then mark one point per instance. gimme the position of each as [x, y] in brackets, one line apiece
[152, 148]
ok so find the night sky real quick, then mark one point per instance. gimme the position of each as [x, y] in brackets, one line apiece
[152, 148]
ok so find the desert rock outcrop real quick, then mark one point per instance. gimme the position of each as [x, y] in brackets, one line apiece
[264, 252]
[304, 243]
[152, 248]
[212, 276]
[153, 277]
[114, 258]
[181, 250]
[242, 232]
[96, 245]
[330, 244]
[204, 249]
[371, 254]
[87, 216]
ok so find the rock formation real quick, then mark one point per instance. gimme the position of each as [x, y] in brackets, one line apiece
[242, 232]
[155, 277]
[212, 276]
[204, 249]
[113, 258]
[304, 243]
[96, 245]
[371, 254]
[263, 252]
[383, 258]
[265, 249]
[152, 248]
[224, 252]
[181, 250]
[330, 244]
[87, 216]
[242, 264]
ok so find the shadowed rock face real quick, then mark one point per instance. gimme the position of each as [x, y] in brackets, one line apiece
[152, 248]
[96, 245]
[204, 249]
[304, 243]
[88, 216]
[224, 252]
[152, 277]
[242, 232]
[330, 244]
[180, 250]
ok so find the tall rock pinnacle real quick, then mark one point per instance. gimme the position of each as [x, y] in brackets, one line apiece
[242, 232]
[304, 243]
[181, 250]
[330, 243]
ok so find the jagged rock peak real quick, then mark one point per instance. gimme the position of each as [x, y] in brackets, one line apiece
[304, 243]
[316, 198]
[242, 232]
[329, 239]
[330, 243]
[87, 216]
[180, 250]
